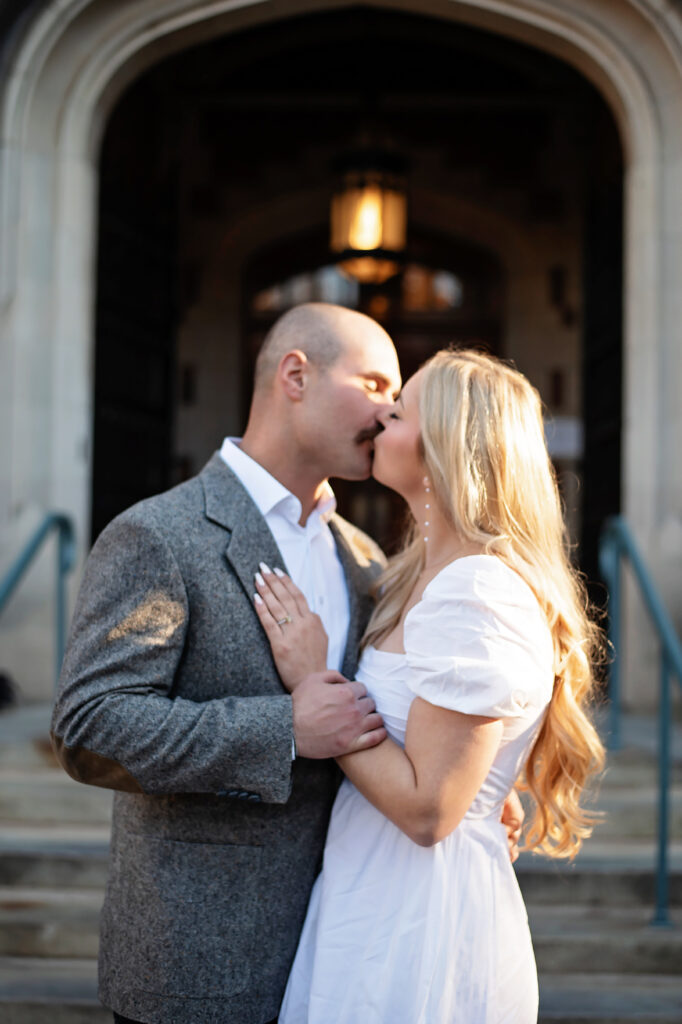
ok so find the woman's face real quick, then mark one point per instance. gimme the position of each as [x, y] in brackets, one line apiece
[397, 460]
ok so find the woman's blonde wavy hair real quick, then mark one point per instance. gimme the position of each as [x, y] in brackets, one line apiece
[483, 445]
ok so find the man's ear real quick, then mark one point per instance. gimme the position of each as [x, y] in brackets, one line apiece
[293, 374]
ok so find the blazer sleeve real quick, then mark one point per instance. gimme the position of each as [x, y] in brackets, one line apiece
[116, 723]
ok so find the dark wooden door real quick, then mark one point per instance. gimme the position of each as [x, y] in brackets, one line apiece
[136, 306]
[602, 362]
[133, 365]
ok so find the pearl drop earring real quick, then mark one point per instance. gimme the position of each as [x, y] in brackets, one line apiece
[427, 506]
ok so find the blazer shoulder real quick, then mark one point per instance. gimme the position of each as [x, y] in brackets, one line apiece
[366, 551]
[164, 512]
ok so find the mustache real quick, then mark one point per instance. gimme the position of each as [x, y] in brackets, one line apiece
[368, 434]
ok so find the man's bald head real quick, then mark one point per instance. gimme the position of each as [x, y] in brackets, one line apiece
[323, 377]
[314, 328]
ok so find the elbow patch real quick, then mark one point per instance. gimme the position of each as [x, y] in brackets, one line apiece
[93, 769]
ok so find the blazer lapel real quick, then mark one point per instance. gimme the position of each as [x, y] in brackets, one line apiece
[229, 504]
[250, 541]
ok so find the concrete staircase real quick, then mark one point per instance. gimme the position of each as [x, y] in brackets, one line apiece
[54, 839]
[599, 959]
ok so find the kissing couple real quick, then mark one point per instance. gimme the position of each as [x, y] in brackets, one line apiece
[314, 751]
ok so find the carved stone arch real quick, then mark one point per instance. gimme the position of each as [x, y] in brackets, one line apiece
[67, 64]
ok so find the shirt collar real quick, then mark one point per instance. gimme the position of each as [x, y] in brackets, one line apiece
[267, 492]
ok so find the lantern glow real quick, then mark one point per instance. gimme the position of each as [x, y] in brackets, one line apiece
[369, 222]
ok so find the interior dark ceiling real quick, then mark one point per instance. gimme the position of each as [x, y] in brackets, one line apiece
[269, 109]
[330, 77]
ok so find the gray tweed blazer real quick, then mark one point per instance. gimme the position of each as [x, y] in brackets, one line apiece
[169, 695]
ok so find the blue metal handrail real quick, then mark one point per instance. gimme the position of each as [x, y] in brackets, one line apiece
[617, 542]
[66, 559]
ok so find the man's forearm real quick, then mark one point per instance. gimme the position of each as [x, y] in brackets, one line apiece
[152, 744]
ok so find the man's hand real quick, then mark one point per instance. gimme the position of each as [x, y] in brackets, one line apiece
[333, 716]
[512, 819]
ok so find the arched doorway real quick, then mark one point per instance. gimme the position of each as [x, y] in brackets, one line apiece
[64, 68]
[488, 121]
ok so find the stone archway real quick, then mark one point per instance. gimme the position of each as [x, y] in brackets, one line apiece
[61, 76]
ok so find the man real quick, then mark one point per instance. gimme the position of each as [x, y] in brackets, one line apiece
[169, 694]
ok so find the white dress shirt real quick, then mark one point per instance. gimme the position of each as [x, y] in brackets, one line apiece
[309, 551]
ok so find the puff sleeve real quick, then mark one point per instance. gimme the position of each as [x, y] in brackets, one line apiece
[478, 642]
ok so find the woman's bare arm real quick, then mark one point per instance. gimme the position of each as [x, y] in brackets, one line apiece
[427, 788]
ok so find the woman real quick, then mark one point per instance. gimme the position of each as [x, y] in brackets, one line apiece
[478, 656]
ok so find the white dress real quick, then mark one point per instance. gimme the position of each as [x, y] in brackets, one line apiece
[397, 933]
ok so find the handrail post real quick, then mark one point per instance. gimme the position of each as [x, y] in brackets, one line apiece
[60, 604]
[610, 565]
[615, 624]
[66, 559]
[617, 543]
[661, 917]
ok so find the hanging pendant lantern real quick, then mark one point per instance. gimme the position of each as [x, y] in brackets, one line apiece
[369, 216]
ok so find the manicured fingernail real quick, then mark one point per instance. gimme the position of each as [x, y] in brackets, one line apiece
[278, 572]
[259, 580]
[258, 599]
[265, 568]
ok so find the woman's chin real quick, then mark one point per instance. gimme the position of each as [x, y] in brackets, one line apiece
[381, 472]
[381, 476]
[376, 471]
[388, 481]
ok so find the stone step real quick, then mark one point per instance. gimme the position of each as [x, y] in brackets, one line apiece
[604, 873]
[29, 755]
[57, 856]
[629, 811]
[633, 812]
[635, 768]
[610, 999]
[584, 940]
[568, 939]
[24, 737]
[38, 991]
[51, 797]
[49, 922]
[34, 991]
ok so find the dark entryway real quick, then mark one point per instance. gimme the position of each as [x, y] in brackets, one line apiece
[136, 313]
[261, 114]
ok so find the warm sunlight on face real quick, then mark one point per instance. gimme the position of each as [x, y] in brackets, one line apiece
[344, 407]
[397, 458]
